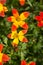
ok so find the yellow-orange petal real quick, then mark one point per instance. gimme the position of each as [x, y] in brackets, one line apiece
[13, 28]
[24, 15]
[5, 58]
[15, 42]
[25, 26]
[25, 39]
[22, 2]
[15, 13]
[1, 47]
[24, 31]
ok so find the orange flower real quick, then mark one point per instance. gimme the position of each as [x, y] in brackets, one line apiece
[18, 20]
[3, 8]
[3, 57]
[22, 2]
[18, 36]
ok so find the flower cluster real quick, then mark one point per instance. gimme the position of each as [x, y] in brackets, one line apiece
[18, 21]
[3, 57]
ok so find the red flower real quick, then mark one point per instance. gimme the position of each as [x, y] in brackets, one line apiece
[40, 19]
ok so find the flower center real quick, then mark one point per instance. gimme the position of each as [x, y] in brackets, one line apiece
[18, 19]
[15, 35]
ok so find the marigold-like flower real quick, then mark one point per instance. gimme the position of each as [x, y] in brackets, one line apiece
[3, 8]
[18, 36]
[22, 2]
[40, 19]
[3, 57]
[18, 20]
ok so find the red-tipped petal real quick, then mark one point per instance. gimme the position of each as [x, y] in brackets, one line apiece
[24, 31]
[15, 13]
[26, 14]
[3, 1]
[22, 2]
[32, 63]
[25, 40]
[2, 14]
[9, 35]
[9, 19]
[25, 26]
[41, 14]
[38, 18]
[1, 47]
[13, 28]
[23, 62]
[1, 63]
[5, 58]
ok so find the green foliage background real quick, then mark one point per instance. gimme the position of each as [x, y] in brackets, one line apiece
[31, 51]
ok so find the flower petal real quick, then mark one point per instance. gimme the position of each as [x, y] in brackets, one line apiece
[38, 18]
[40, 24]
[13, 28]
[24, 15]
[15, 13]
[9, 35]
[1, 63]
[25, 26]
[21, 37]
[2, 14]
[22, 2]
[24, 31]
[11, 19]
[5, 58]
[15, 42]
[1, 47]
[25, 39]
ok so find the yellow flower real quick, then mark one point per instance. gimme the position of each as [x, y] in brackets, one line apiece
[18, 36]
[19, 20]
